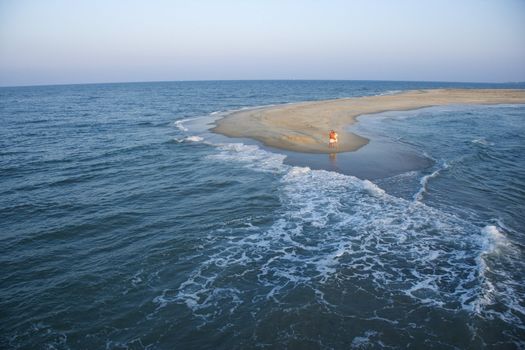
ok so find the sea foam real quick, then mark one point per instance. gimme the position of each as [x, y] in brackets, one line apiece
[194, 139]
[443, 165]
[333, 227]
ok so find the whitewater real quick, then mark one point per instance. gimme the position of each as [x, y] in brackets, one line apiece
[127, 223]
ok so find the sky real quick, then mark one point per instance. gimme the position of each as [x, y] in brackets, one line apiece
[92, 41]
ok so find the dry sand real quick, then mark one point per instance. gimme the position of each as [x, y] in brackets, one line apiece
[304, 127]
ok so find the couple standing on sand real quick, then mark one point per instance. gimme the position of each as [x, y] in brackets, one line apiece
[333, 139]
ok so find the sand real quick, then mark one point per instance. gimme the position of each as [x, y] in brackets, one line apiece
[304, 127]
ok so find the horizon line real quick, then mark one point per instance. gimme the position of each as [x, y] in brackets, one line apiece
[224, 80]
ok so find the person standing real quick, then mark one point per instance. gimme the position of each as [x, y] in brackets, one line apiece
[332, 142]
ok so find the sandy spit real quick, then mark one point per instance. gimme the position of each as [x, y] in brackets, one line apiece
[304, 127]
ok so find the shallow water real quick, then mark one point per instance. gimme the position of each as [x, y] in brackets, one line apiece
[126, 224]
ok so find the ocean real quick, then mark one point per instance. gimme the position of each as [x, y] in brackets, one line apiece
[126, 224]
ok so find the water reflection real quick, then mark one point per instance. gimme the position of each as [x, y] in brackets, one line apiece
[333, 159]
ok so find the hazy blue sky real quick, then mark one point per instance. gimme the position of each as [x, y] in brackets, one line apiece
[68, 41]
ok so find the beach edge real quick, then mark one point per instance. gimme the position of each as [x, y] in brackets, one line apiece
[304, 126]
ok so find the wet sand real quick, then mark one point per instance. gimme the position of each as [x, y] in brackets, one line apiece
[304, 127]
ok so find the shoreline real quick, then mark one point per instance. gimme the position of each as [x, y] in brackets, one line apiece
[304, 126]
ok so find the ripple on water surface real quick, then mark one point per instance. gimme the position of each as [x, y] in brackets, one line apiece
[126, 224]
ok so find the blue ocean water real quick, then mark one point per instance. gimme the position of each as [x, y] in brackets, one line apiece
[126, 224]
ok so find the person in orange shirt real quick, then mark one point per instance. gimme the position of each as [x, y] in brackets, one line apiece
[332, 142]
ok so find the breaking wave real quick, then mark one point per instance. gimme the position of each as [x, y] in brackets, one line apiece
[443, 165]
[337, 230]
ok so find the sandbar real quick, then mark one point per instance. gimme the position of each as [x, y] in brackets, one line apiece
[304, 126]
